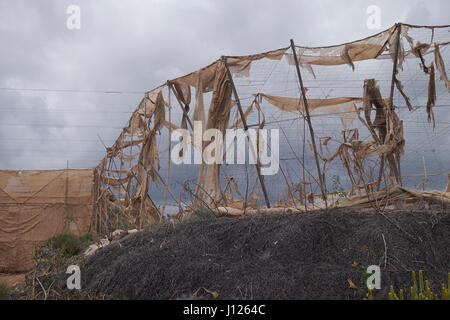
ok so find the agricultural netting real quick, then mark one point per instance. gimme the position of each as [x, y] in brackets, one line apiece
[378, 111]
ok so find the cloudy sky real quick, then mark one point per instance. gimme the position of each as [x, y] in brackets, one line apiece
[60, 89]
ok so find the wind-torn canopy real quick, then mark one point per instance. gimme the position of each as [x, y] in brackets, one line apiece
[348, 92]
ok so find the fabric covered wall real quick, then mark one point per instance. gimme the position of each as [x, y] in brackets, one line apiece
[35, 205]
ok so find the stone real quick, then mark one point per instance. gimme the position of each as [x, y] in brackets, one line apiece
[91, 250]
[103, 242]
[117, 234]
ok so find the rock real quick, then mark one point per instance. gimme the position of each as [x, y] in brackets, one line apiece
[92, 248]
[119, 233]
[132, 231]
[103, 242]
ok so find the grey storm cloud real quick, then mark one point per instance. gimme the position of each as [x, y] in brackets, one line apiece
[135, 46]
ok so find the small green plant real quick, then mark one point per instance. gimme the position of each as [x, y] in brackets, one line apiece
[68, 243]
[423, 291]
[418, 291]
[204, 214]
[4, 290]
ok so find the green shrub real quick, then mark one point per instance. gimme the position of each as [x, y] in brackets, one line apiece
[204, 214]
[155, 223]
[68, 243]
[86, 238]
[4, 290]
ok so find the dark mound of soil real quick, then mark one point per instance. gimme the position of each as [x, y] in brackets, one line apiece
[289, 256]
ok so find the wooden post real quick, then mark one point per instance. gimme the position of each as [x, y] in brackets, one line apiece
[181, 105]
[391, 103]
[244, 123]
[66, 191]
[394, 68]
[308, 119]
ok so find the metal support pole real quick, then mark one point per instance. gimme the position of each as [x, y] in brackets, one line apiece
[244, 123]
[308, 119]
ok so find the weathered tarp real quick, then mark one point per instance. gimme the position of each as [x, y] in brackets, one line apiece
[35, 205]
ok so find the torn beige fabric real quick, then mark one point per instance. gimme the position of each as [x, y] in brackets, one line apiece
[369, 48]
[440, 66]
[399, 86]
[343, 107]
[372, 97]
[346, 111]
[136, 124]
[240, 66]
[218, 117]
[207, 76]
[199, 111]
[345, 55]
[160, 112]
[148, 104]
[392, 47]
[149, 153]
[35, 205]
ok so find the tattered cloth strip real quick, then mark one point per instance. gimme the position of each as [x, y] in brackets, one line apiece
[392, 47]
[148, 104]
[170, 125]
[440, 66]
[218, 117]
[399, 86]
[346, 56]
[136, 124]
[199, 111]
[291, 61]
[343, 107]
[149, 153]
[160, 112]
[372, 97]
[295, 105]
[240, 66]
